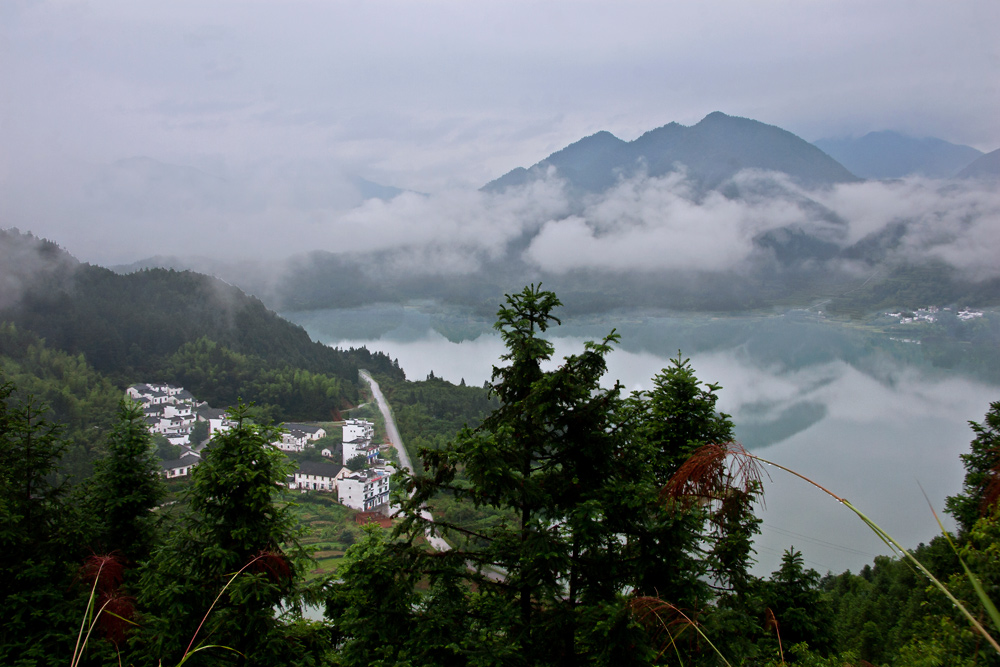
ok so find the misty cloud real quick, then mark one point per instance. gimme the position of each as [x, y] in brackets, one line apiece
[453, 232]
[140, 207]
[657, 224]
[957, 222]
[663, 224]
[25, 259]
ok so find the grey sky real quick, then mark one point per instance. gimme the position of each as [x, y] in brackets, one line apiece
[272, 105]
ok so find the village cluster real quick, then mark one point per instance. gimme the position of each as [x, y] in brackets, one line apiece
[173, 412]
[931, 315]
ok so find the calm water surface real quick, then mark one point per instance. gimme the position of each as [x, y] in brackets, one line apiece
[863, 415]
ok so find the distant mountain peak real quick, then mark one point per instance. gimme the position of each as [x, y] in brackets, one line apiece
[712, 151]
[718, 116]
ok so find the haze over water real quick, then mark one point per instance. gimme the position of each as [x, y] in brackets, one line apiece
[861, 414]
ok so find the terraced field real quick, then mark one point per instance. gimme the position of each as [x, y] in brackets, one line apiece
[331, 530]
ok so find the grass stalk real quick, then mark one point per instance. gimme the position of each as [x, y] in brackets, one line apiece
[777, 631]
[188, 651]
[896, 546]
[652, 608]
[78, 649]
[987, 603]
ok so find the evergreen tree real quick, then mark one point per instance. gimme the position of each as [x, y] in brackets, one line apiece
[126, 486]
[235, 535]
[677, 418]
[39, 537]
[982, 472]
[577, 472]
[796, 603]
[552, 458]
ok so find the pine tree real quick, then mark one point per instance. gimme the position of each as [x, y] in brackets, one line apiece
[237, 535]
[981, 489]
[579, 471]
[125, 488]
[39, 536]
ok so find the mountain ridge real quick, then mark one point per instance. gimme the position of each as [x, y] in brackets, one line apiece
[711, 152]
[985, 167]
[888, 154]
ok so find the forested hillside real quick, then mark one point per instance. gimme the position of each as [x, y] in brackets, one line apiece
[588, 527]
[131, 327]
[75, 335]
[78, 397]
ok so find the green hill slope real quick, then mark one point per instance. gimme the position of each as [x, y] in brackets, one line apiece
[142, 326]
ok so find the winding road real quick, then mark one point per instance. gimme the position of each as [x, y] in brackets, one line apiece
[404, 459]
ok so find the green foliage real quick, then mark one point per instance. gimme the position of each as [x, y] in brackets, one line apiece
[945, 637]
[73, 393]
[571, 473]
[431, 412]
[356, 463]
[124, 489]
[800, 612]
[164, 450]
[888, 613]
[137, 326]
[199, 433]
[675, 419]
[373, 587]
[982, 472]
[39, 534]
[221, 376]
[232, 520]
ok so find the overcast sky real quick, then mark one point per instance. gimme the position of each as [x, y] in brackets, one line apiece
[272, 108]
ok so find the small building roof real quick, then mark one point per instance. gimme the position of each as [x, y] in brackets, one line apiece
[305, 428]
[184, 462]
[318, 468]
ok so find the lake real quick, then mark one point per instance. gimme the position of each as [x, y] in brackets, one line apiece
[868, 417]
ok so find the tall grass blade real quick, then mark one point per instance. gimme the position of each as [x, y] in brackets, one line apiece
[977, 585]
[652, 605]
[78, 649]
[188, 651]
[202, 648]
[896, 546]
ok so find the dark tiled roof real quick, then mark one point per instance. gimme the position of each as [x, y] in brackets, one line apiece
[185, 462]
[320, 468]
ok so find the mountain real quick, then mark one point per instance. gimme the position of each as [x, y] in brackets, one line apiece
[147, 326]
[890, 154]
[985, 167]
[712, 151]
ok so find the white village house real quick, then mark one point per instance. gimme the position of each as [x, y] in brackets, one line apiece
[167, 410]
[172, 412]
[365, 490]
[218, 420]
[358, 434]
[317, 476]
[297, 437]
[180, 467]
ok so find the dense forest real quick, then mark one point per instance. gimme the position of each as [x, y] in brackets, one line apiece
[587, 526]
[76, 335]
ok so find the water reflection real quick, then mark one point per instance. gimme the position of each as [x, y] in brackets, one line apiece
[864, 416]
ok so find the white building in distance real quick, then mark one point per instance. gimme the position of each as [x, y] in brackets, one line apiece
[317, 476]
[358, 435]
[358, 428]
[297, 437]
[365, 490]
